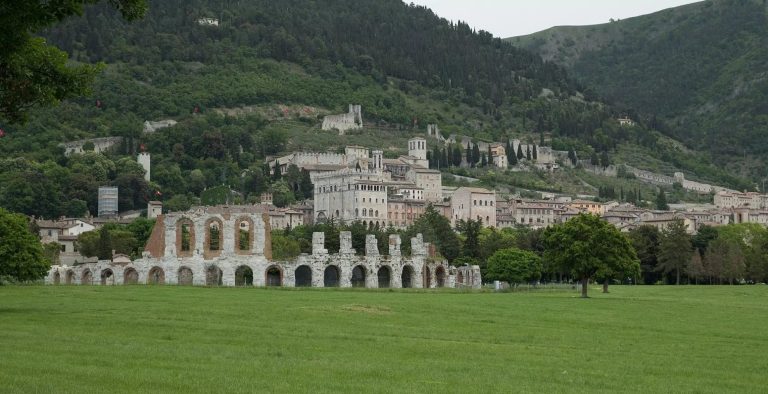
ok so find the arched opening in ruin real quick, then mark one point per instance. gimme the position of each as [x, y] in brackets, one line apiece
[303, 276]
[214, 237]
[56, 278]
[244, 276]
[321, 218]
[213, 276]
[460, 278]
[331, 276]
[274, 276]
[156, 276]
[440, 276]
[407, 277]
[107, 277]
[185, 237]
[384, 275]
[70, 277]
[427, 278]
[185, 276]
[244, 229]
[86, 278]
[130, 276]
[358, 276]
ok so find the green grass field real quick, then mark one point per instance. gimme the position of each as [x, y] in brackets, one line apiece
[174, 339]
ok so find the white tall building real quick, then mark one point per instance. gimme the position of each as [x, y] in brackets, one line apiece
[417, 152]
[349, 195]
[144, 160]
[108, 201]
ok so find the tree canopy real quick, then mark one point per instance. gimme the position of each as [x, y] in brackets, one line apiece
[34, 73]
[514, 266]
[586, 245]
[21, 254]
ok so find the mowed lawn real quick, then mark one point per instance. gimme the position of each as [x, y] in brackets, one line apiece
[176, 339]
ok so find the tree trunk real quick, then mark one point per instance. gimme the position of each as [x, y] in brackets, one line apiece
[677, 271]
[584, 284]
[605, 286]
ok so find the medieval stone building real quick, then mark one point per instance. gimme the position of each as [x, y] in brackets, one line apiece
[231, 246]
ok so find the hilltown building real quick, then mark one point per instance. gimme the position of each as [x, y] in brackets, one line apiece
[231, 246]
[352, 120]
[99, 145]
[473, 203]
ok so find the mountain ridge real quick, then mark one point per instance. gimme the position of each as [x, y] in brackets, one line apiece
[697, 69]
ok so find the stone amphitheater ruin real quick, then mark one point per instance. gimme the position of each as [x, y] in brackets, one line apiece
[231, 246]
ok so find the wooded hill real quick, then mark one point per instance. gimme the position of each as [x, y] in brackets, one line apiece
[403, 64]
[697, 72]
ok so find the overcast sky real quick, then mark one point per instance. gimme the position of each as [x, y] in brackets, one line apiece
[509, 18]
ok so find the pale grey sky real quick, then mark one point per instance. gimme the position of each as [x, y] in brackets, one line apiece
[509, 18]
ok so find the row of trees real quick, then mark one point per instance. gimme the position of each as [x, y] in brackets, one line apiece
[727, 254]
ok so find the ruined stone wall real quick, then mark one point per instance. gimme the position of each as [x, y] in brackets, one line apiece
[319, 269]
[350, 121]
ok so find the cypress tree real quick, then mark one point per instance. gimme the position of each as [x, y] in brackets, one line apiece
[528, 153]
[661, 201]
[475, 154]
[104, 249]
[535, 153]
[520, 155]
[456, 156]
[483, 161]
[277, 175]
[468, 155]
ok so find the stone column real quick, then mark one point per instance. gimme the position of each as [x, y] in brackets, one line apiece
[394, 245]
[318, 244]
[345, 242]
[417, 246]
[371, 246]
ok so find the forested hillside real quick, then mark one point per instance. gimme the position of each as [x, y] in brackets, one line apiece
[290, 62]
[697, 71]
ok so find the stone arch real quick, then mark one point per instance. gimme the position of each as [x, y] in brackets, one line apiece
[56, 278]
[244, 229]
[427, 277]
[130, 276]
[440, 276]
[331, 276]
[70, 278]
[86, 278]
[274, 276]
[185, 237]
[107, 277]
[243, 276]
[407, 277]
[358, 276]
[214, 238]
[213, 276]
[185, 276]
[385, 277]
[303, 276]
[156, 276]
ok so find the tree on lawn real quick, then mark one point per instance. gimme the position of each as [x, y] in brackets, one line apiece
[695, 268]
[21, 254]
[675, 249]
[514, 266]
[586, 246]
[520, 155]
